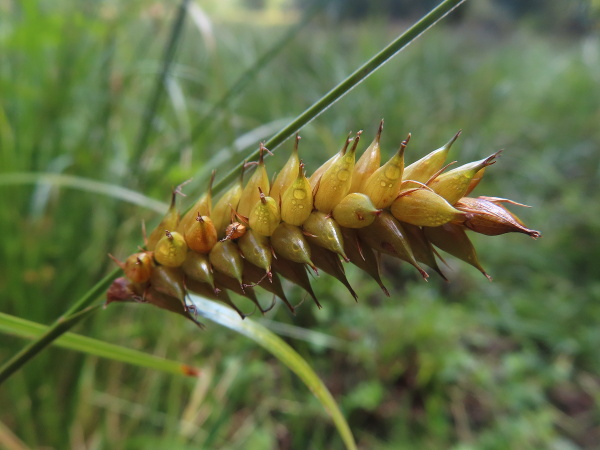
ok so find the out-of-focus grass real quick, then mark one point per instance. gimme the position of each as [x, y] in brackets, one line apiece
[512, 363]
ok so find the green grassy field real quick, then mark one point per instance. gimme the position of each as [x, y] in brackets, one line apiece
[466, 364]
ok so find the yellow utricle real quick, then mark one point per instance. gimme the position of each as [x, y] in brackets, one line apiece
[297, 200]
[424, 208]
[264, 216]
[336, 181]
[287, 175]
[383, 185]
[171, 249]
[355, 210]
[250, 194]
[368, 163]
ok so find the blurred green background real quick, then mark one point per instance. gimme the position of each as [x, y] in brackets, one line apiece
[466, 364]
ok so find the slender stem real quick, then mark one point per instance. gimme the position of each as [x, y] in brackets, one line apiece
[348, 84]
[90, 295]
[57, 329]
[64, 323]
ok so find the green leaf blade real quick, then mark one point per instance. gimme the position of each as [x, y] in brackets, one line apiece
[226, 317]
[31, 330]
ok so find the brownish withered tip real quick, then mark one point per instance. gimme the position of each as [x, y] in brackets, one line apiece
[356, 140]
[261, 152]
[347, 143]
[379, 131]
[211, 181]
[453, 140]
[406, 141]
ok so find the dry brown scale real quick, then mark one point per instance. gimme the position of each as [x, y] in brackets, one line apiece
[348, 210]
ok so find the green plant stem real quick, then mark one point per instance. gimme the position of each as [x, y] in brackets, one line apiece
[64, 323]
[347, 85]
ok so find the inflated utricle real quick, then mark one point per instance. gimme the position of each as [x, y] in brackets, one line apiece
[352, 209]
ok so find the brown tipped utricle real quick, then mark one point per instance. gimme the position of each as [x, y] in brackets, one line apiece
[421, 247]
[488, 216]
[124, 290]
[137, 267]
[201, 235]
[253, 276]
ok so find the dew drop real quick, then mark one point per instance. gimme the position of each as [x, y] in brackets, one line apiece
[343, 175]
[299, 194]
[393, 172]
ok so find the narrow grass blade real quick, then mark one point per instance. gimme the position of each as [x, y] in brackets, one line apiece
[84, 184]
[283, 352]
[203, 124]
[158, 91]
[31, 330]
[348, 84]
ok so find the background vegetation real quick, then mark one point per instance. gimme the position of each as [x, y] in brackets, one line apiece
[466, 364]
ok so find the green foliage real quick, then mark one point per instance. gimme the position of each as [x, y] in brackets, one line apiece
[469, 364]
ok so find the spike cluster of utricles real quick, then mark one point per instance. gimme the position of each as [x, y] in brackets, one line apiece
[347, 210]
